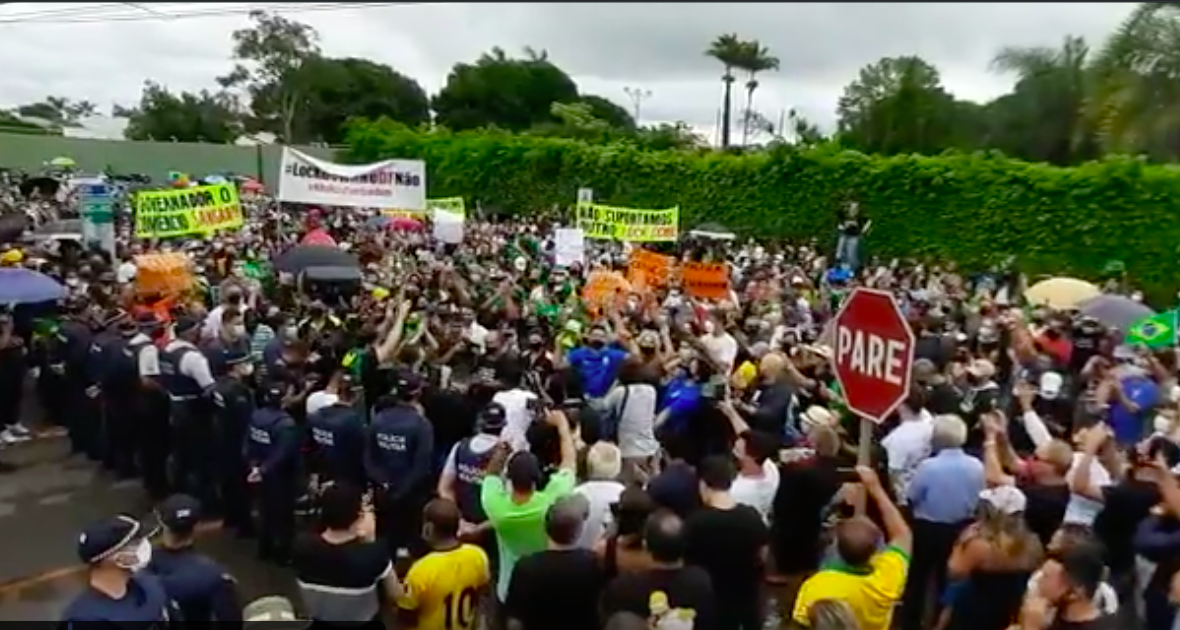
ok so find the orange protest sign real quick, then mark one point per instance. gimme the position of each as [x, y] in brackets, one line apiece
[163, 274]
[649, 270]
[707, 281]
[604, 286]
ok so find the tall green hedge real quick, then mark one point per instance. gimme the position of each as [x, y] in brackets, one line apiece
[973, 209]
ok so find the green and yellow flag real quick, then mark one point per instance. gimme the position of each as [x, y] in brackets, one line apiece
[1157, 331]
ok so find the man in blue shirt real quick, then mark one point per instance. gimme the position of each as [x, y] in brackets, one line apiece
[596, 363]
[943, 495]
[117, 591]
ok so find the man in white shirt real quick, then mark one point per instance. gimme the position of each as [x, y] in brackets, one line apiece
[720, 345]
[758, 477]
[518, 416]
[909, 442]
[602, 489]
[233, 297]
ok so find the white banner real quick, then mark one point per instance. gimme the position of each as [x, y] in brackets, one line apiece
[569, 247]
[389, 184]
[448, 227]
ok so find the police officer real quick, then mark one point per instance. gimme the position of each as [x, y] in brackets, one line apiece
[338, 431]
[398, 461]
[186, 376]
[272, 455]
[119, 380]
[199, 585]
[465, 468]
[72, 365]
[234, 403]
[115, 551]
[151, 407]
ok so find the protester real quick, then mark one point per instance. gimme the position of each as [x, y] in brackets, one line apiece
[468, 376]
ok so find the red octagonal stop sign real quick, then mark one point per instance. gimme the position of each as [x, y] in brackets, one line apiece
[873, 350]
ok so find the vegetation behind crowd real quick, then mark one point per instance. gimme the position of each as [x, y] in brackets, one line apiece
[975, 209]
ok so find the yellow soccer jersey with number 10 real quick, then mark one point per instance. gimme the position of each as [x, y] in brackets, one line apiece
[444, 588]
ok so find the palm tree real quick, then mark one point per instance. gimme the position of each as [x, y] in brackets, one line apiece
[730, 51]
[1136, 84]
[1050, 96]
[755, 58]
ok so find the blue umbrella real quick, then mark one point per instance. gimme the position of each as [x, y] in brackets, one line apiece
[25, 286]
[1115, 310]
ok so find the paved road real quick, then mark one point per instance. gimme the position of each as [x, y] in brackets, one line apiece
[44, 504]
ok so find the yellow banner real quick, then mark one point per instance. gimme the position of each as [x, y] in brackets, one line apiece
[199, 210]
[628, 224]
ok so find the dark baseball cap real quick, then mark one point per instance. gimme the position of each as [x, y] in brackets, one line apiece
[101, 539]
[179, 513]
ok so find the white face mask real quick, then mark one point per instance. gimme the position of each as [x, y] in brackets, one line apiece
[238, 330]
[142, 556]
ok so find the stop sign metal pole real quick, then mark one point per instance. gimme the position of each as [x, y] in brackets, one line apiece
[882, 358]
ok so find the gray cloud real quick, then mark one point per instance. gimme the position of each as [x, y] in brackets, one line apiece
[606, 47]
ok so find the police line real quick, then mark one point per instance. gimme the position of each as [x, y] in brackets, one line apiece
[198, 210]
[628, 224]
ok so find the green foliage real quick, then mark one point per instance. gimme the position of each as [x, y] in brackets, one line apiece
[339, 89]
[59, 110]
[502, 91]
[975, 209]
[184, 117]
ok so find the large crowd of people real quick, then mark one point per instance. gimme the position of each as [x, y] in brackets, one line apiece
[455, 438]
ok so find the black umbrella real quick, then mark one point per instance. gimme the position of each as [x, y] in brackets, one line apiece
[47, 186]
[301, 257]
[332, 274]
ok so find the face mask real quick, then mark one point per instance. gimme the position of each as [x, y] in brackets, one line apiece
[72, 282]
[291, 332]
[710, 327]
[142, 556]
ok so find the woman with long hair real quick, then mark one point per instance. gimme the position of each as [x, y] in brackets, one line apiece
[991, 564]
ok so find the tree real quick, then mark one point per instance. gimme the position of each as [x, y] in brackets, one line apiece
[731, 52]
[667, 136]
[59, 110]
[339, 89]
[897, 105]
[1042, 119]
[497, 90]
[269, 56]
[614, 114]
[755, 58]
[1136, 75]
[187, 117]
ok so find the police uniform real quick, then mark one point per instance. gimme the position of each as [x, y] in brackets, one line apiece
[152, 410]
[272, 453]
[399, 456]
[338, 432]
[118, 375]
[145, 603]
[234, 404]
[468, 461]
[72, 363]
[199, 585]
[185, 375]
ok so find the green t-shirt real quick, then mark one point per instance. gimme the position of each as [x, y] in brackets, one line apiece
[520, 527]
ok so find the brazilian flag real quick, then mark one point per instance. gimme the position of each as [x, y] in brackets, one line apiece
[1157, 331]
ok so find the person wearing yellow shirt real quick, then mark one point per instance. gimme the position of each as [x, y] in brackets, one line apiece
[868, 580]
[443, 589]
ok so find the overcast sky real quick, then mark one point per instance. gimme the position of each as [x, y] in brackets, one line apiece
[605, 47]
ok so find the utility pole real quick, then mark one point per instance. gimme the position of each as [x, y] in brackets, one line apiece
[637, 96]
